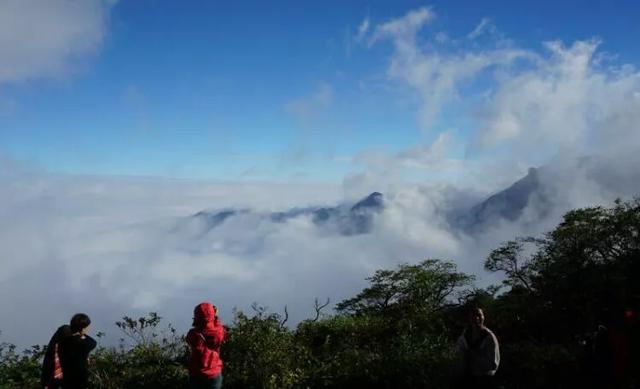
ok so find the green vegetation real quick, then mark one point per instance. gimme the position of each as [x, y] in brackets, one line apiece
[399, 331]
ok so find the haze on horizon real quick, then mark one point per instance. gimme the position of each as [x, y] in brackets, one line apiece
[119, 120]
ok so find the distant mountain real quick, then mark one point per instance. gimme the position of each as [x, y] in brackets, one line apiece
[212, 220]
[347, 219]
[358, 218]
[507, 204]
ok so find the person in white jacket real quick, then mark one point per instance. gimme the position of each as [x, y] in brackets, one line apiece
[478, 353]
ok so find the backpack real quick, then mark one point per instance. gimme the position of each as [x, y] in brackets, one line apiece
[57, 367]
[51, 365]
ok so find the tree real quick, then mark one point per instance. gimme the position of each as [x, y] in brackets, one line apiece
[391, 334]
[580, 275]
[509, 259]
[260, 352]
[422, 288]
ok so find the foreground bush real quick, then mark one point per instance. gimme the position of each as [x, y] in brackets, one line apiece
[19, 370]
[261, 352]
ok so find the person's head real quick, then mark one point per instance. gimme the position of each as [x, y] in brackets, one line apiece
[79, 323]
[475, 316]
[203, 314]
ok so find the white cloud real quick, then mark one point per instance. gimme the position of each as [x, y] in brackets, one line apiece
[441, 37]
[122, 246]
[404, 29]
[566, 101]
[363, 29]
[435, 75]
[483, 27]
[48, 38]
[430, 156]
[307, 109]
[391, 171]
[112, 247]
[518, 107]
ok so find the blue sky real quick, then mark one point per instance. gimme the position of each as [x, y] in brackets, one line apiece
[266, 90]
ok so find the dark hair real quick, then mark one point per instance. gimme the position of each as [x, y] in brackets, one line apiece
[79, 321]
[473, 308]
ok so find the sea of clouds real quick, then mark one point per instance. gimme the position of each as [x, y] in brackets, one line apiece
[111, 246]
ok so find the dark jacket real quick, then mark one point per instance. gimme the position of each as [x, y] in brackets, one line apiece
[205, 339]
[74, 354]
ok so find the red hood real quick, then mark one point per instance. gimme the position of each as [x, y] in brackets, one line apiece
[203, 314]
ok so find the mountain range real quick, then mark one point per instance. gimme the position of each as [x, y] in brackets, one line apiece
[359, 218]
[349, 219]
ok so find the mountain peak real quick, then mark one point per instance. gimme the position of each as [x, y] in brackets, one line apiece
[374, 201]
[507, 204]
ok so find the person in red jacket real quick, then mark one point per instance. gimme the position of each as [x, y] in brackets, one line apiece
[205, 338]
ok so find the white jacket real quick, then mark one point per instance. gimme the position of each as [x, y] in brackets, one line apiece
[482, 358]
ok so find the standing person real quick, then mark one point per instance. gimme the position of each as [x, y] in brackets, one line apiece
[205, 338]
[74, 353]
[65, 363]
[478, 352]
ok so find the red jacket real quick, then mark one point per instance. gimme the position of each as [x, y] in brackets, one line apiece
[205, 339]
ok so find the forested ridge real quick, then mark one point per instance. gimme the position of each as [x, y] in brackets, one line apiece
[565, 294]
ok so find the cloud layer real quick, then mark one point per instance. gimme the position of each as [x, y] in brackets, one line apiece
[44, 39]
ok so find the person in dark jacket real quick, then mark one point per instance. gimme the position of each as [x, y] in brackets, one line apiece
[74, 353]
[204, 339]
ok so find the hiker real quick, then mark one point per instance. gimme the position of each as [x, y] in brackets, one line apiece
[65, 363]
[478, 352]
[205, 338]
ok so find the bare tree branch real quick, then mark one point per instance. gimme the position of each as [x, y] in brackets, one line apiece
[286, 317]
[318, 308]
